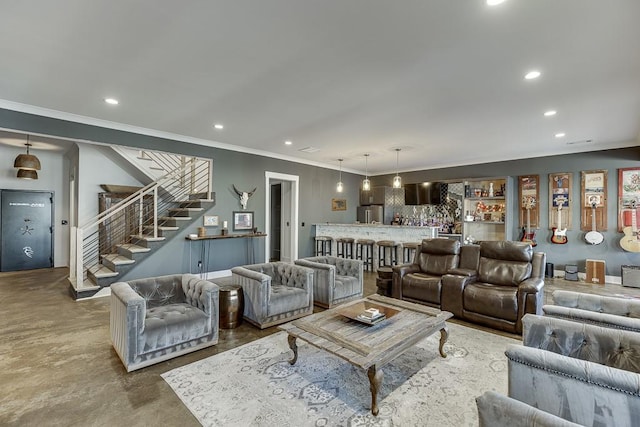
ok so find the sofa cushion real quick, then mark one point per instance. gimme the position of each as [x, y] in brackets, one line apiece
[491, 300]
[172, 324]
[286, 298]
[346, 286]
[159, 291]
[501, 272]
[423, 287]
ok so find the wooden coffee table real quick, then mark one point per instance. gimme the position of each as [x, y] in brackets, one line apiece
[369, 346]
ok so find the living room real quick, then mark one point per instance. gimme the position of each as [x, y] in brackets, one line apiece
[73, 146]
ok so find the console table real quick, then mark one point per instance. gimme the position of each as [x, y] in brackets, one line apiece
[206, 249]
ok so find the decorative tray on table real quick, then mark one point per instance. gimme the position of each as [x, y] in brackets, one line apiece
[367, 312]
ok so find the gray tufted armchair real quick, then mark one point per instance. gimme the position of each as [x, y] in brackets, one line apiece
[568, 372]
[335, 280]
[159, 318]
[275, 292]
[612, 312]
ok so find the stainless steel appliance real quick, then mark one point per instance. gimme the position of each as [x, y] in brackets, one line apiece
[370, 214]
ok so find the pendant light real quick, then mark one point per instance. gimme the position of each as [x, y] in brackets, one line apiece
[366, 184]
[27, 161]
[339, 188]
[397, 181]
[27, 174]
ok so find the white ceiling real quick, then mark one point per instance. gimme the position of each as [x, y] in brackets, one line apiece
[443, 80]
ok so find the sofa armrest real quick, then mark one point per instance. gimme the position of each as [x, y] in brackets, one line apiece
[256, 288]
[398, 274]
[452, 290]
[324, 279]
[592, 317]
[463, 272]
[573, 388]
[203, 295]
[531, 286]
[126, 321]
[611, 347]
[626, 307]
[498, 410]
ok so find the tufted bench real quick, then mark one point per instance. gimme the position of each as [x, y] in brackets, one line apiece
[159, 318]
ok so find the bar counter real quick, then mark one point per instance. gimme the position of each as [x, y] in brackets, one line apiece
[399, 233]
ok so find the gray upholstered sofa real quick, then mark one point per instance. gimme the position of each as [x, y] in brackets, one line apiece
[612, 312]
[335, 280]
[578, 372]
[421, 280]
[509, 284]
[275, 292]
[159, 318]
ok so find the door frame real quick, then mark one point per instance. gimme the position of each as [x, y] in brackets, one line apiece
[295, 190]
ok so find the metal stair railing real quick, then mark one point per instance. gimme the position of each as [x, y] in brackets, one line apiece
[140, 210]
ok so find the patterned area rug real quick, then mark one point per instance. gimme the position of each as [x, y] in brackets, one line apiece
[254, 385]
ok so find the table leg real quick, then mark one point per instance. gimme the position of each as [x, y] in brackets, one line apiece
[294, 348]
[444, 335]
[375, 380]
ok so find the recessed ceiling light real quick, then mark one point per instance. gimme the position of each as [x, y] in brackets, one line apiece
[494, 2]
[288, 143]
[534, 74]
[111, 101]
[560, 135]
[218, 126]
[550, 113]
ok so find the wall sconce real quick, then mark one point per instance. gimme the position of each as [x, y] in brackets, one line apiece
[340, 187]
[397, 181]
[366, 184]
[27, 164]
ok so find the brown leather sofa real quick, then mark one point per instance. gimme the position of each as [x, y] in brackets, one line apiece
[421, 281]
[509, 284]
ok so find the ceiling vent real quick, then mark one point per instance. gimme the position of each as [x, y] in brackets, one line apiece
[582, 141]
[309, 150]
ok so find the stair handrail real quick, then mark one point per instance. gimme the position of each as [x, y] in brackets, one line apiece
[77, 233]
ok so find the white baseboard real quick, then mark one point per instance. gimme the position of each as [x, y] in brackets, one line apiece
[215, 274]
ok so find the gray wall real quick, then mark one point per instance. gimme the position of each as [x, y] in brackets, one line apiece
[576, 251]
[317, 188]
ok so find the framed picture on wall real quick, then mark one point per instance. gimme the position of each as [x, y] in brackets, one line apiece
[242, 220]
[211, 220]
[338, 204]
[628, 196]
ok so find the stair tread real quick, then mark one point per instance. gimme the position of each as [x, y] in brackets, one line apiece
[179, 218]
[99, 271]
[148, 238]
[118, 259]
[186, 209]
[133, 248]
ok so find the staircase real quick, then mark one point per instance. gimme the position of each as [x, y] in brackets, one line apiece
[111, 244]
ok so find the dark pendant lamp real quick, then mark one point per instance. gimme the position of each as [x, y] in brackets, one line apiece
[27, 164]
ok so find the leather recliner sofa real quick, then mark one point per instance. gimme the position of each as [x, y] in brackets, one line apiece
[509, 284]
[420, 281]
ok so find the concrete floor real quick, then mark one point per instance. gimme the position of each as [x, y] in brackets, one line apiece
[57, 366]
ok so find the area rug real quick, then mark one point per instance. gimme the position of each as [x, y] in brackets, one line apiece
[254, 385]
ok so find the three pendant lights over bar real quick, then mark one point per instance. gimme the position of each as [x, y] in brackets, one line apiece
[366, 183]
[27, 164]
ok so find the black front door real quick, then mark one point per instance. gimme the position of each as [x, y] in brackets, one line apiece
[26, 230]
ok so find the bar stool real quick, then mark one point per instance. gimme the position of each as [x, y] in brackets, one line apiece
[364, 252]
[385, 246]
[323, 245]
[344, 247]
[409, 251]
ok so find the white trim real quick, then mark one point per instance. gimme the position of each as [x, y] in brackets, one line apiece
[215, 274]
[76, 118]
[295, 193]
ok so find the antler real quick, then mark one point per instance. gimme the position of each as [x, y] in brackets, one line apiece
[238, 192]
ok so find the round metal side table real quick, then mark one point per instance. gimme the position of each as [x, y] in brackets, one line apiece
[231, 306]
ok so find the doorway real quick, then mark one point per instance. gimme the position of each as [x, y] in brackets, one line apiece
[26, 230]
[281, 220]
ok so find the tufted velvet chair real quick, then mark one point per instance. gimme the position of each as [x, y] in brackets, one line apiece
[275, 292]
[159, 318]
[420, 281]
[335, 280]
[611, 312]
[509, 284]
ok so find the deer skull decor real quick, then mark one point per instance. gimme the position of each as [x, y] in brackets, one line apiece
[244, 196]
